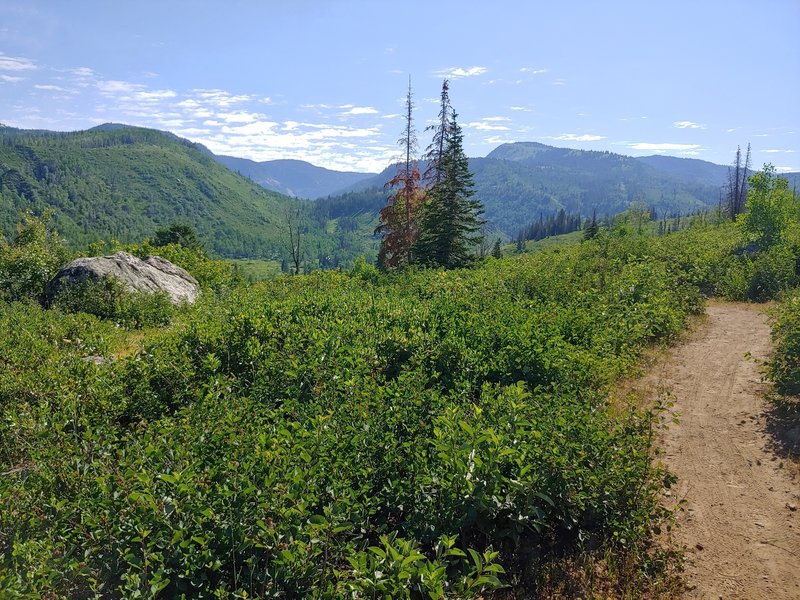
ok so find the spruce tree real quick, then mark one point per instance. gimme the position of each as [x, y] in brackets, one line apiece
[450, 223]
[497, 250]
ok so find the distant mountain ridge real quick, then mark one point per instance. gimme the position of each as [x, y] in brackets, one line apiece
[295, 178]
[521, 181]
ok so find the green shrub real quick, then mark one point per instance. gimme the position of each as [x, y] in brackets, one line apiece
[108, 298]
[784, 366]
[30, 260]
[773, 273]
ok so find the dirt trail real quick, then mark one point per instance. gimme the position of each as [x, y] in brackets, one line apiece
[741, 523]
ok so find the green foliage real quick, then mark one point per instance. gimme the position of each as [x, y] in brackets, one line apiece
[450, 221]
[769, 208]
[177, 233]
[784, 366]
[125, 183]
[30, 260]
[342, 434]
[108, 298]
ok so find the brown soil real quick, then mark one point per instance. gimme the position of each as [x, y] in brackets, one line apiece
[740, 521]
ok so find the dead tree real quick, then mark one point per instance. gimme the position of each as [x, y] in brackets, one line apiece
[737, 183]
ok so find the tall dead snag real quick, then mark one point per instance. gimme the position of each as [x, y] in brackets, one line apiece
[441, 138]
[398, 218]
[737, 183]
[294, 226]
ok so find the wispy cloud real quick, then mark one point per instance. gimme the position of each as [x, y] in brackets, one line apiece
[532, 71]
[663, 147]
[520, 108]
[485, 126]
[775, 151]
[560, 82]
[688, 125]
[499, 119]
[577, 137]
[114, 86]
[16, 63]
[458, 72]
[10, 78]
[359, 110]
[51, 88]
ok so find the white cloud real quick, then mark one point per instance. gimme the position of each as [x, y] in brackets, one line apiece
[359, 110]
[574, 137]
[774, 151]
[238, 117]
[495, 119]
[484, 126]
[15, 63]
[154, 96]
[532, 71]
[114, 86]
[10, 78]
[458, 72]
[496, 139]
[663, 147]
[688, 125]
[391, 116]
[50, 88]
[560, 82]
[220, 98]
[520, 108]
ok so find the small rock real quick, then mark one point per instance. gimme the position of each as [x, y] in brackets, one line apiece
[699, 546]
[758, 462]
[791, 507]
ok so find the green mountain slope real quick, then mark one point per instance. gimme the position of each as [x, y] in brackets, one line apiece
[519, 182]
[294, 178]
[119, 182]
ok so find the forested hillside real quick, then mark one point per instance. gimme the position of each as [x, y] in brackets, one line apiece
[519, 183]
[123, 183]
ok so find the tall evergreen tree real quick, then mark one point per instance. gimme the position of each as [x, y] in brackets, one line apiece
[441, 136]
[399, 226]
[450, 223]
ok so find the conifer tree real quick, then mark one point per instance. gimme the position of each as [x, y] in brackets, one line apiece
[441, 135]
[497, 250]
[450, 222]
[399, 226]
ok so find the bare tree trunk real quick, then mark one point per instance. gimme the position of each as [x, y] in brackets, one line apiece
[293, 225]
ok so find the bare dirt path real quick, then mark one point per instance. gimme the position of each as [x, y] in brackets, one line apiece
[741, 523]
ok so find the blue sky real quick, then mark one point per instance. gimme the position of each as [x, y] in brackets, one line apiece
[324, 81]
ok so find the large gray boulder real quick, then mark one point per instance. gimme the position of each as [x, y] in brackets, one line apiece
[153, 274]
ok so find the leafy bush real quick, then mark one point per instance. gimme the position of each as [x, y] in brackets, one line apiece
[337, 435]
[773, 272]
[30, 260]
[784, 366]
[108, 298]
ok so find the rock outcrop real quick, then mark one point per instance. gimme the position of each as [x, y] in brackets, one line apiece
[153, 274]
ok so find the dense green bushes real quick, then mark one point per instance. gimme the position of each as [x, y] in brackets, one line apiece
[334, 435]
[108, 298]
[784, 367]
